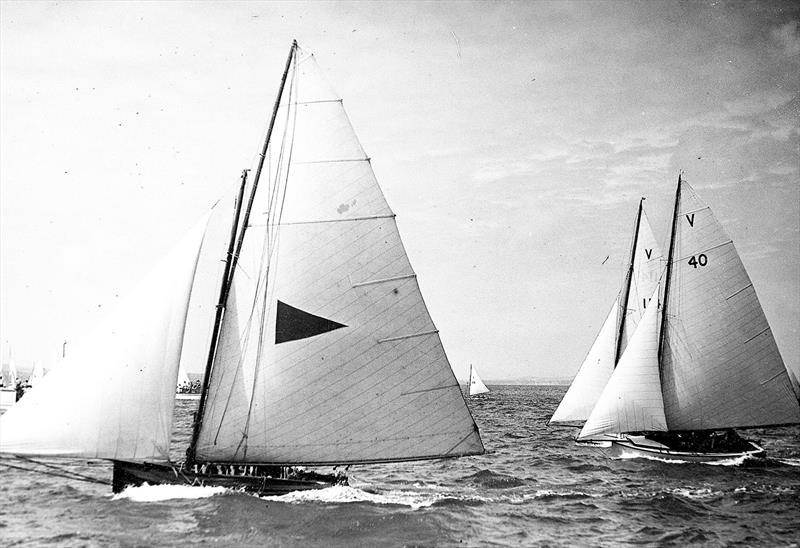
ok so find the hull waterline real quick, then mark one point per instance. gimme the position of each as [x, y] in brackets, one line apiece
[261, 480]
[640, 447]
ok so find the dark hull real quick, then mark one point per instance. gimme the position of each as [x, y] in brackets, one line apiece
[631, 446]
[261, 480]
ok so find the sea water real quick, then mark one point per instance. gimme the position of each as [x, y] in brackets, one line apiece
[533, 487]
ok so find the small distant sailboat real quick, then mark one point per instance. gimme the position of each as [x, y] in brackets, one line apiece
[184, 390]
[702, 362]
[8, 375]
[322, 350]
[476, 385]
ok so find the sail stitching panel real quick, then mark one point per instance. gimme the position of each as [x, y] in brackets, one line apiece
[316, 271]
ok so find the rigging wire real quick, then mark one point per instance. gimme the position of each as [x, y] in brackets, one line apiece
[53, 470]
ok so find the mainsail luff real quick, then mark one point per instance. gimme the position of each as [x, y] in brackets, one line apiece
[373, 383]
[626, 288]
[668, 277]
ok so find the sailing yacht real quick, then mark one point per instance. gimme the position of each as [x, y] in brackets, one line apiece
[701, 363]
[8, 376]
[322, 351]
[644, 265]
[476, 385]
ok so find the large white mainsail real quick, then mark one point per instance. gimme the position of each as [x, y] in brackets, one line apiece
[720, 365]
[113, 396]
[631, 401]
[327, 353]
[476, 385]
[618, 328]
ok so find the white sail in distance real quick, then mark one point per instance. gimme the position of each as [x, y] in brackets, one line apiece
[8, 369]
[114, 394]
[631, 401]
[327, 353]
[476, 385]
[721, 367]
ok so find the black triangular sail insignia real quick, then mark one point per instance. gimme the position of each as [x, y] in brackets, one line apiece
[293, 324]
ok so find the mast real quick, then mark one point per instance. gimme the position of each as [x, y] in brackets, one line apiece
[233, 258]
[669, 272]
[626, 288]
[223, 297]
[261, 158]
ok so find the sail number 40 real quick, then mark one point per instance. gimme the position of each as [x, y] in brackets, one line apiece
[699, 260]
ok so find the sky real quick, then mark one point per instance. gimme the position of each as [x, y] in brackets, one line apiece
[512, 139]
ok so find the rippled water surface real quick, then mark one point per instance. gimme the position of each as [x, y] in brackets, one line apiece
[534, 487]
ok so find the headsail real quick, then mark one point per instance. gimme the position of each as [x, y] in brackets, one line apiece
[720, 365]
[631, 401]
[356, 372]
[592, 377]
[114, 395]
[646, 267]
[476, 385]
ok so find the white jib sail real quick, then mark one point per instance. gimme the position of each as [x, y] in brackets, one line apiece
[476, 385]
[647, 267]
[721, 366]
[113, 396]
[631, 401]
[327, 353]
[592, 376]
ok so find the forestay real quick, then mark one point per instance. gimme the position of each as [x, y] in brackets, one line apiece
[327, 353]
[631, 401]
[721, 366]
[113, 396]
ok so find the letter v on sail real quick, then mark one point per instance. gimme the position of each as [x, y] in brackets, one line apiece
[306, 366]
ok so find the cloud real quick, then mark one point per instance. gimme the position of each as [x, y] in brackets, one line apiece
[787, 37]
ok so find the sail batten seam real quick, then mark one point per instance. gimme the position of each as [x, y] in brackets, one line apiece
[737, 292]
[321, 221]
[756, 335]
[341, 161]
[382, 280]
[702, 251]
[401, 337]
[428, 390]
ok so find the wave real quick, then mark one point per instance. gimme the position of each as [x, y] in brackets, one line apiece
[492, 480]
[347, 494]
[733, 461]
[156, 493]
